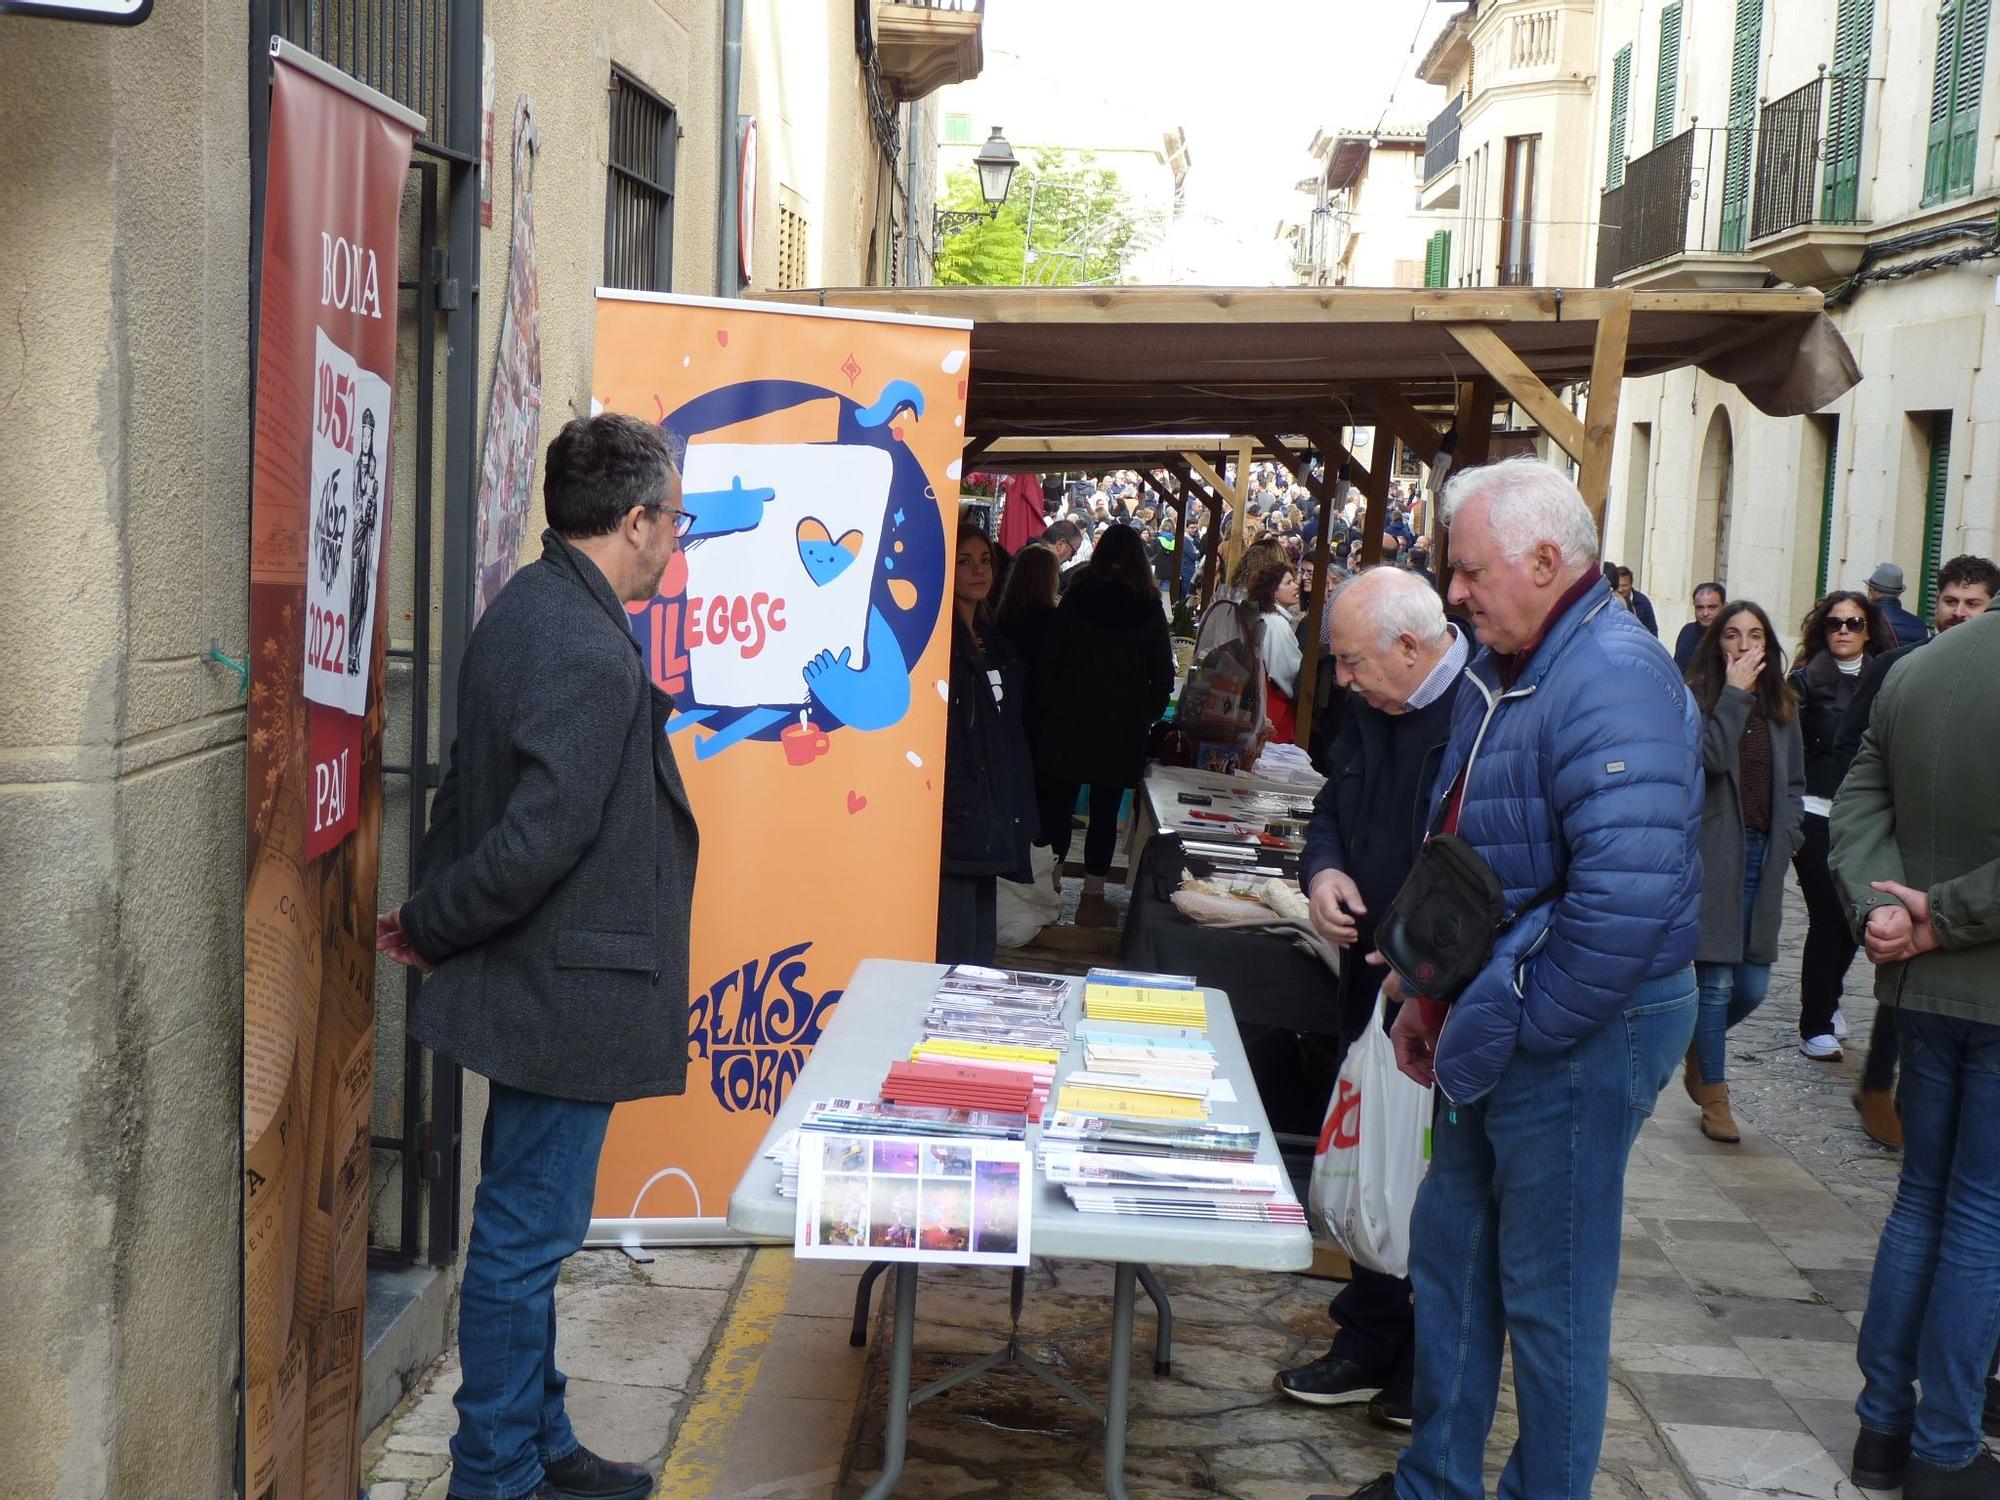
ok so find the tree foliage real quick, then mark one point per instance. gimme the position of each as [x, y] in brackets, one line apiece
[1086, 228]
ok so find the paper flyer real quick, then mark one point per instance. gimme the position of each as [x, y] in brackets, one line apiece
[886, 1197]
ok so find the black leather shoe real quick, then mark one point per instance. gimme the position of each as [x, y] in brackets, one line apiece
[1879, 1459]
[585, 1476]
[1383, 1488]
[1392, 1408]
[1978, 1480]
[1330, 1381]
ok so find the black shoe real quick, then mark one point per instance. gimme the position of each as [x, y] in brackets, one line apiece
[1392, 1408]
[585, 1476]
[1992, 1423]
[1879, 1459]
[1329, 1381]
[1978, 1480]
[1383, 1488]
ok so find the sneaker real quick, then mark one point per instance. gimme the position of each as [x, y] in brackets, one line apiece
[585, 1476]
[1879, 1459]
[1824, 1048]
[1329, 1381]
[1978, 1480]
[1840, 1023]
[1392, 1407]
[1383, 1488]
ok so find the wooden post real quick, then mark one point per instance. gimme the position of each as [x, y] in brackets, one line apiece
[1381, 464]
[1525, 386]
[1211, 544]
[1180, 531]
[1321, 489]
[1224, 496]
[1600, 419]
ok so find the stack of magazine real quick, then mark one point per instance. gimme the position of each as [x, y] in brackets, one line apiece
[1172, 1000]
[992, 1038]
[870, 1117]
[1184, 1171]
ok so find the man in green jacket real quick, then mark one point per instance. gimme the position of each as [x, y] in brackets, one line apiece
[1916, 851]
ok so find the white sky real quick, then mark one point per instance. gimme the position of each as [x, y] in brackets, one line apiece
[1249, 80]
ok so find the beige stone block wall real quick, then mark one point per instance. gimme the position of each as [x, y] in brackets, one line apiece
[123, 500]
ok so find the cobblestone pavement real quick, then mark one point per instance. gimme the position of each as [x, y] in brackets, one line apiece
[1745, 1269]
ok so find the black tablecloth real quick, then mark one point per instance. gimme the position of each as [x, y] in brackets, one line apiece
[1284, 999]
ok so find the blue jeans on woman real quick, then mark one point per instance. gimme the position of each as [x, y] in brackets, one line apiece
[537, 1175]
[1934, 1301]
[1516, 1236]
[1729, 992]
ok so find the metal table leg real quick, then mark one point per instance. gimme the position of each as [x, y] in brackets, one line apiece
[859, 1336]
[1118, 1387]
[1163, 1333]
[896, 1434]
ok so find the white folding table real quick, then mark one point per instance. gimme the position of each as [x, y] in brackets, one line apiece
[880, 1017]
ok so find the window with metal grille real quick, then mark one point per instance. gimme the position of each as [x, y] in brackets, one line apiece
[791, 248]
[1746, 61]
[1621, 102]
[1952, 148]
[1667, 80]
[1937, 473]
[639, 188]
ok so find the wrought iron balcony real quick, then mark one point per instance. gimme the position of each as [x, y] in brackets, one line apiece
[922, 45]
[1678, 218]
[1441, 140]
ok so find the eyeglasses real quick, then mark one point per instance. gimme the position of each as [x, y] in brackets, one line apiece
[682, 520]
[1859, 627]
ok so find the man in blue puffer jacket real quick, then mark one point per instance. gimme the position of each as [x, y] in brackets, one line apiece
[1575, 764]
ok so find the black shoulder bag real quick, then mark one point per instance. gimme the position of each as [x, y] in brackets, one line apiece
[1440, 930]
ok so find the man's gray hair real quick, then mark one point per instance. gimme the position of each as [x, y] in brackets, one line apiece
[1398, 604]
[1531, 503]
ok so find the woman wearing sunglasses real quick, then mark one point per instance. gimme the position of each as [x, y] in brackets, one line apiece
[1840, 634]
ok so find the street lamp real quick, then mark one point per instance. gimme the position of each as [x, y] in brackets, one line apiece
[996, 163]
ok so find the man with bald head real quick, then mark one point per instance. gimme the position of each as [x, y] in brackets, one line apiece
[1574, 772]
[1395, 652]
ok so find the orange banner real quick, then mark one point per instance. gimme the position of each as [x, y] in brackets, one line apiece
[801, 632]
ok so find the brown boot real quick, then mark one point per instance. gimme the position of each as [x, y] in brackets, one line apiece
[1717, 1123]
[1691, 1075]
[1095, 910]
[1880, 1117]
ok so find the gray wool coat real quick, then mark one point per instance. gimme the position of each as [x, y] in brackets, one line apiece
[557, 880]
[1723, 940]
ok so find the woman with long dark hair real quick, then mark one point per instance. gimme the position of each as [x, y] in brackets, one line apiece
[1840, 634]
[1753, 755]
[1105, 672]
[989, 811]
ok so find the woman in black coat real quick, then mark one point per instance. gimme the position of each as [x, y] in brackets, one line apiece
[989, 807]
[1841, 634]
[1106, 672]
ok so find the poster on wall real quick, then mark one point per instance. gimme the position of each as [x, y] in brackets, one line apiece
[319, 509]
[514, 415]
[802, 630]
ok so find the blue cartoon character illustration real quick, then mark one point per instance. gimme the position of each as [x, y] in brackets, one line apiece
[814, 572]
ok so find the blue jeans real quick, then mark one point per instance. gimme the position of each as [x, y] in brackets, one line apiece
[538, 1171]
[1515, 1236]
[1934, 1302]
[1729, 992]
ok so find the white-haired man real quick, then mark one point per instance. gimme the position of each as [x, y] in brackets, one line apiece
[1402, 660]
[1574, 767]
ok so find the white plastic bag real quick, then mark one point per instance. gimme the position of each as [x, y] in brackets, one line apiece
[1023, 910]
[1374, 1149]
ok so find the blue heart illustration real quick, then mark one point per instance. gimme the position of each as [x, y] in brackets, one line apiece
[826, 556]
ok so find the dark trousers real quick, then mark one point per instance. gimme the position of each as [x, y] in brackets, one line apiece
[1100, 840]
[1830, 945]
[1880, 1070]
[1377, 1322]
[966, 931]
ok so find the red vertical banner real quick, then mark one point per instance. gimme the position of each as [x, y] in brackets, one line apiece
[319, 510]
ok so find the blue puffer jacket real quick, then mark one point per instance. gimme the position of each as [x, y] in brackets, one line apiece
[1588, 769]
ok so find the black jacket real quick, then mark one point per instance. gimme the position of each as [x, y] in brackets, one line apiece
[1825, 695]
[1106, 671]
[1907, 628]
[556, 882]
[989, 782]
[1686, 643]
[1854, 724]
[1368, 820]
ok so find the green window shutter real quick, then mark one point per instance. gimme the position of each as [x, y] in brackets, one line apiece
[1846, 102]
[1968, 77]
[1937, 145]
[1437, 259]
[1431, 261]
[1736, 153]
[1934, 486]
[1667, 87]
[1832, 429]
[1621, 101]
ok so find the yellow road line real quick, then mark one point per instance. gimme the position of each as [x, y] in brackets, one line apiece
[699, 1448]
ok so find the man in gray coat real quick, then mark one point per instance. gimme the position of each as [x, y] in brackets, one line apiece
[554, 892]
[1916, 853]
